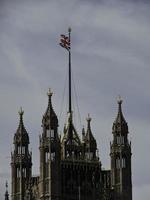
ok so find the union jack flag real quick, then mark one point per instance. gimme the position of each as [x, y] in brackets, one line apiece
[65, 42]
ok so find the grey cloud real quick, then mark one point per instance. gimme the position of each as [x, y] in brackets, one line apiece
[110, 56]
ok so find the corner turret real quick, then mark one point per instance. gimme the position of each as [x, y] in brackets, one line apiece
[90, 142]
[121, 158]
[49, 118]
[49, 154]
[21, 161]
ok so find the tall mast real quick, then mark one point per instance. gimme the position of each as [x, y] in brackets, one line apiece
[65, 42]
[70, 103]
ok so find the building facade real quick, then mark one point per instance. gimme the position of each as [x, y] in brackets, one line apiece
[70, 167]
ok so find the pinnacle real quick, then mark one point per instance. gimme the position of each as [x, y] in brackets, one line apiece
[49, 93]
[119, 99]
[21, 112]
[88, 118]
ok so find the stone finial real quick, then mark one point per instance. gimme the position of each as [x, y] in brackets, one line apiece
[49, 93]
[119, 99]
[88, 118]
[21, 112]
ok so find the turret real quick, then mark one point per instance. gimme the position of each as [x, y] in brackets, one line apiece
[121, 158]
[90, 142]
[20, 161]
[71, 144]
[49, 154]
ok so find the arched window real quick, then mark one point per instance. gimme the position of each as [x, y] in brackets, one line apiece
[117, 163]
[50, 133]
[53, 156]
[120, 139]
[123, 162]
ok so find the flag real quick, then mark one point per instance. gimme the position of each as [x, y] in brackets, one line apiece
[65, 42]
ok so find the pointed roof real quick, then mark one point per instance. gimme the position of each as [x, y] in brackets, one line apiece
[120, 124]
[6, 193]
[21, 134]
[70, 134]
[89, 136]
[50, 113]
[120, 118]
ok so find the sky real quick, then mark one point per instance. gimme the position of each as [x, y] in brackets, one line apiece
[110, 57]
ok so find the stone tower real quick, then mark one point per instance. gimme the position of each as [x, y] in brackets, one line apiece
[80, 166]
[49, 155]
[121, 158]
[21, 163]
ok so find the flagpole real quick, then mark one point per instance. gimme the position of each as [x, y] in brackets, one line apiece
[70, 106]
[70, 92]
[65, 42]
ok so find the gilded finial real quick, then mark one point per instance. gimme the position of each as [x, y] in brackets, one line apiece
[119, 99]
[49, 93]
[21, 112]
[88, 118]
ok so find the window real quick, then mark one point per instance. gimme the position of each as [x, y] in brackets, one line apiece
[53, 156]
[21, 150]
[46, 157]
[120, 163]
[89, 155]
[50, 133]
[120, 139]
[24, 172]
[18, 172]
[47, 133]
[18, 149]
[123, 163]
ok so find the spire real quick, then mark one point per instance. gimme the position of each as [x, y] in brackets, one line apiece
[50, 113]
[89, 135]
[120, 118]
[89, 141]
[120, 125]
[21, 112]
[6, 193]
[21, 133]
[120, 153]
[70, 134]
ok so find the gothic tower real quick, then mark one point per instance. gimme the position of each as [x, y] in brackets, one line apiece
[21, 163]
[80, 164]
[90, 142]
[121, 158]
[49, 155]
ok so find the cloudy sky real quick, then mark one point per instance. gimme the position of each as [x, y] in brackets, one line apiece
[110, 56]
